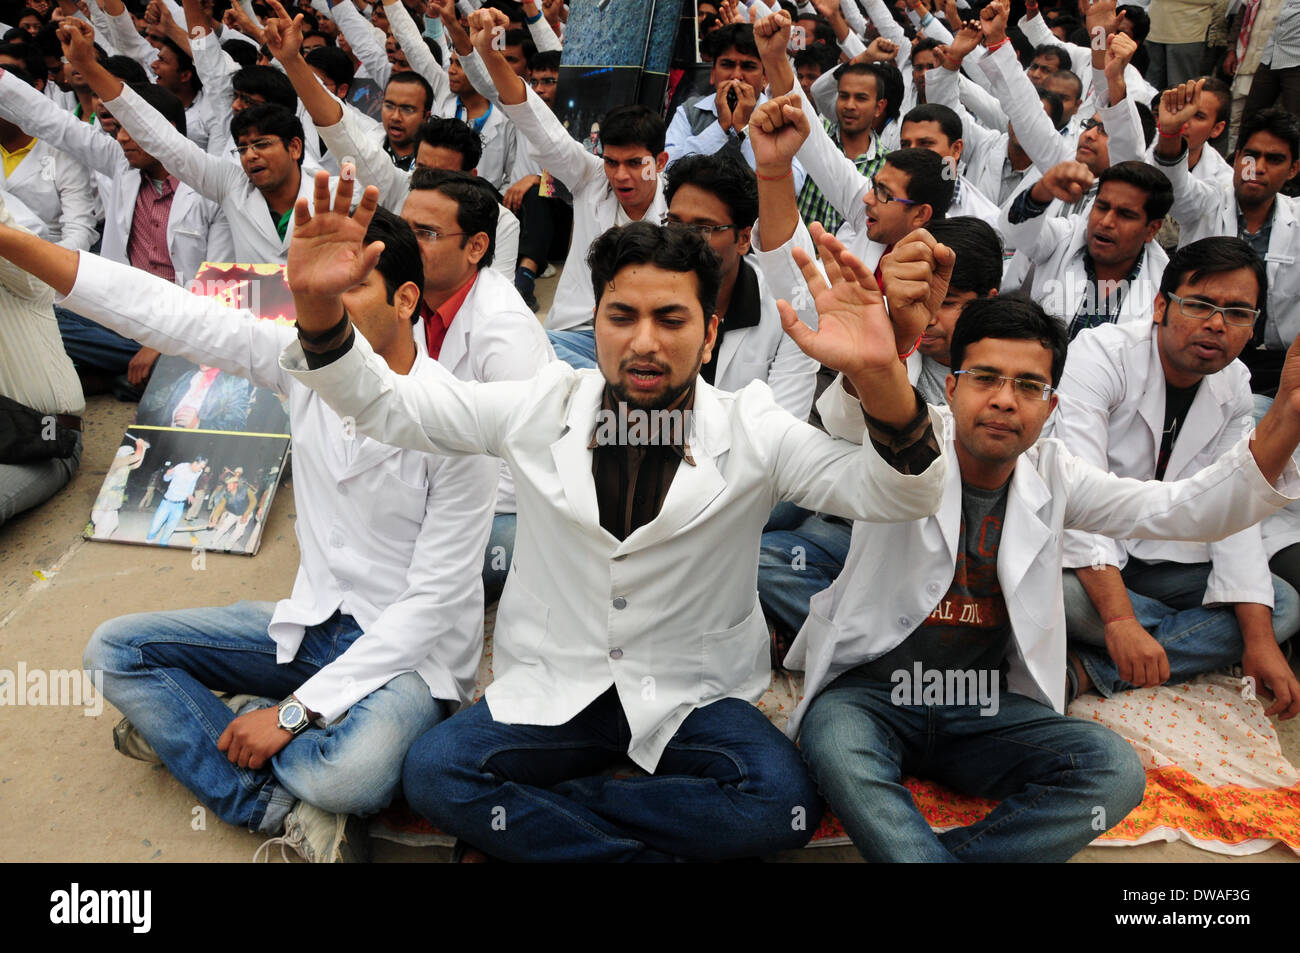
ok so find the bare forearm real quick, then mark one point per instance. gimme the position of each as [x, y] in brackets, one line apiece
[317, 313]
[52, 264]
[1275, 440]
[1105, 587]
[886, 394]
[321, 106]
[778, 213]
[1256, 622]
[510, 88]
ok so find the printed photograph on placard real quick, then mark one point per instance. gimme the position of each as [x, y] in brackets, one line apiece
[200, 463]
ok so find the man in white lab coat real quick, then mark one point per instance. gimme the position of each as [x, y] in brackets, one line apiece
[1162, 401]
[381, 636]
[940, 649]
[629, 626]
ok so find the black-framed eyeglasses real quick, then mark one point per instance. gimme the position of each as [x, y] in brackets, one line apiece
[697, 227]
[884, 197]
[1021, 386]
[543, 81]
[260, 146]
[1199, 310]
[1093, 124]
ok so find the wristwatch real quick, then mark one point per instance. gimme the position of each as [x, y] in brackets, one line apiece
[293, 716]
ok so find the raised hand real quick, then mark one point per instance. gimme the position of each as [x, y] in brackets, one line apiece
[1120, 48]
[1100, 16]
[777, 129]
[964, 40]
[772, 34]
[77, 37]
[881, 50]
[1177, 106]
[993, 21]
[327, 253]
[854, 334]
[915, 278]
[283, 33]
[483, 26]
[1067, 181]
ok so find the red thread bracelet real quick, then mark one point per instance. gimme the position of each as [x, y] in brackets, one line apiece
[904, 357]
[1120, 618]
[774, 178]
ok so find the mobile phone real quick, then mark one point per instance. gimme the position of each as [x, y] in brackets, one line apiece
[732, 99]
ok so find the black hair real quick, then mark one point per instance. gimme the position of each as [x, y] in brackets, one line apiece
[434, 49]
[1160, 193]
[412, 78]
[268, 119]
[823, 33]
[1070, 77]
[925, 44]
[1148, 121]
[810, 56]
[1213, 256]
[1055, 106]
[545, 60]
[725, 177]
[522, 39]
[949, 122]
[1140, 19]
[400, 260]
[127, 69]
[1222, 94]
[733, 36]
[267, 82]
[21, 74]
[476, 208]
[1012, 317]
[185, 62]
[928, 182]
[1063, 61]
[454, 135]
[16, 34]
[633, 126]
[513, 11]
[245, 54]
[978, 265]
[889, 83]
[672, 249]
[1277, 122]
[32, 61]
[333, 62]
[164, 101]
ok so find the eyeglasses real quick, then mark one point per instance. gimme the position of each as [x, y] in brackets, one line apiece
[696, 227]
[260, 146]
[1199, 310]
[884, 197]
[1021, 386]
[426, 234]
[402, 109]
[543, 81]
[1092, 124]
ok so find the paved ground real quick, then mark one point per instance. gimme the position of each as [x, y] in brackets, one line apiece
[65, 794]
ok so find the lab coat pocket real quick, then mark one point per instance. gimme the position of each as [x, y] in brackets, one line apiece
[399, 510]
[738, 657]
[522, 622]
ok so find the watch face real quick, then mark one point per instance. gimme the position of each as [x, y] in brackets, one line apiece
[292, 715]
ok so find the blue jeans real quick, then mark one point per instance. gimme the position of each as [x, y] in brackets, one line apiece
[798, 560]
[576, 346]
[160, 669]
[729, 784]
[165, 518]
[496, 559]
[92, 345]
[1166, 601]
[1061, 781]
[25, 485]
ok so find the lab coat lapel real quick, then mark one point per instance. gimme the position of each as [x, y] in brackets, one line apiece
[571, 453]
[1023, 534]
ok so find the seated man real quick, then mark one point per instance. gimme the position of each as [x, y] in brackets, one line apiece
[1163, 401]
[629, 626]
[381, 635]
[938, 128]
[941, 653]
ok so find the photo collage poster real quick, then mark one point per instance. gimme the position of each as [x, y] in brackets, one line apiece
[200, 463]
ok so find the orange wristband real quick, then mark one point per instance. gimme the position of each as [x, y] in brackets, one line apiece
[904, 357]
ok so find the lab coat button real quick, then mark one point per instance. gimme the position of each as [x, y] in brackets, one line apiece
[904, 622]
[615, 653]
[620, 603]
[343, 489]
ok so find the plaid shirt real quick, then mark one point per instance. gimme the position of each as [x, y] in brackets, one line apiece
[813, 206]
[1102, 302]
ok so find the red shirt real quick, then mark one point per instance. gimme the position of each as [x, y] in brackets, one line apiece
[435, 332]
[146, 246]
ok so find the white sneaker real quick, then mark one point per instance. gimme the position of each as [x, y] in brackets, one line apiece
[128, 740]
[549, 272]
[320, 837]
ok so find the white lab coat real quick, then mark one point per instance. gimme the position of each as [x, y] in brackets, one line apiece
[197, 231]
[393, 537]
[494, 337]
[670, 616]
[1112, 414]
[895, 574]
[1055, 246]
[57, 189]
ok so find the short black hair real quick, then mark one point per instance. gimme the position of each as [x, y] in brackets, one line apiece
[333, 62]
[1160, 193]
[1275, 121]
[860, 69]
[925, 44]
[978, 250]
[167, 103]
[522, 39]
[245, 54]
[823, 33]
[1068, 76]
[476, 208]
[927, 181]
[1063, 61]
[1012, 317]
[400, 260]
[1222, 94]
[22, 74]
[633, 126]
[672, 249]
[733, 36]
[30, 57]
[127, 69]
[412, 78]
[889, 84]
[185, 61]
[1213, 256]
[810, 56]
[454, 135]
[1147, 119]
[725, 177]
[545, 60]
[269, 119]
[1141, 21]
[949, 122]
[267, 82]
[16, 34]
